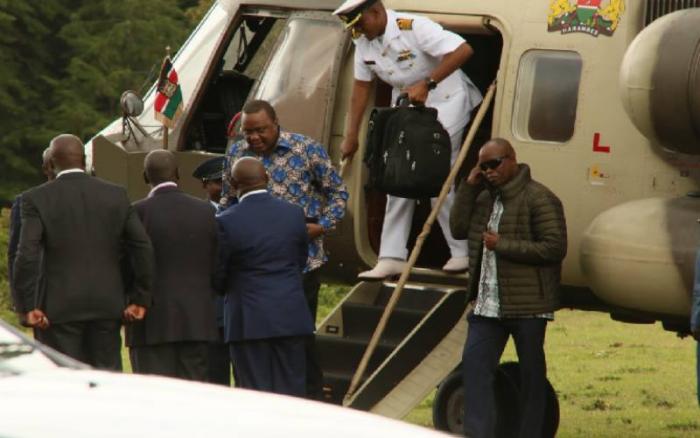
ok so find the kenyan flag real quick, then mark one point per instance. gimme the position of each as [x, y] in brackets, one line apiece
[168, 104]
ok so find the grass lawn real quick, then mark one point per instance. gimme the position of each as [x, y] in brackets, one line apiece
[614, 379]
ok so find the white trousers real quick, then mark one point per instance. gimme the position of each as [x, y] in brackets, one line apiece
[399, 215]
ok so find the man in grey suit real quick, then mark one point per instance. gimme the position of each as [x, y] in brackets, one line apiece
[84, 227]
[173, 339]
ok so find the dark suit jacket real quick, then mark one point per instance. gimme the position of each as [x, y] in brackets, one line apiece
[84, 226]
[263, 250]
[12, 245]
[184, 236]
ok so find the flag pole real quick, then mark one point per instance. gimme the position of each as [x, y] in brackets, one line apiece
[165, 127]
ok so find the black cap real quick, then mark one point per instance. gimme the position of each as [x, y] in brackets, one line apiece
[211, 169]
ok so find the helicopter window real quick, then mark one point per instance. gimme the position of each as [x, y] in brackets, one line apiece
[233, 77]
[547, 95]
[251, 45]
[299, 79]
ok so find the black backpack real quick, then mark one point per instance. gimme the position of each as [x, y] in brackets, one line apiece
[408, 151]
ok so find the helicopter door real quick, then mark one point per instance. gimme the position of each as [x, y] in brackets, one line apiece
[300, 77]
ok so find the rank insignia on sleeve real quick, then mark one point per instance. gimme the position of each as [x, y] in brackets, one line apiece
[405, 23]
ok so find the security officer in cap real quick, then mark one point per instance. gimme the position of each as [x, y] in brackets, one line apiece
[210, 172]
[415, 56]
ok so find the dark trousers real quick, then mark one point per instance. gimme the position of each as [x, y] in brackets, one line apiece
[274, 365]
[37, 332]
[183, 360]
[220, 361]
[697, 370]
[314, 374]
[486, 340]
[97, 343]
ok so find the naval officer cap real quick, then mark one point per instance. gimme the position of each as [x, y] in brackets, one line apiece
[351, 11]
[212, 169]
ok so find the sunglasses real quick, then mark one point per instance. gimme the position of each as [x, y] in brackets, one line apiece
[491, 164]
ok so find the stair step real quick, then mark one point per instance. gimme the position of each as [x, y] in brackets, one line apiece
[412, 297]
[360, 321]
[444, 279]
[338, 355]
[335, 385]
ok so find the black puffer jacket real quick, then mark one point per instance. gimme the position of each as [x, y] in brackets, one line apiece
[531, 245]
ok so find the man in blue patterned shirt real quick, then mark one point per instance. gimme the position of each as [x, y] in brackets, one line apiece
[300, 172]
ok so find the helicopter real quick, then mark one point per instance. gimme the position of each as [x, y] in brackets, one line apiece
[600, 97]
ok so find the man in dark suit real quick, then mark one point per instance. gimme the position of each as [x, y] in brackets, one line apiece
[16, 226]
[84, 227]
[220, 366]
[263, 250]
[173, 338]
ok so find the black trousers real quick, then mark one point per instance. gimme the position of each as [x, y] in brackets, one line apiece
[97, 343]
[184, 360]
[486, 339]
[220, 366]
[314, 374]
[274, 365]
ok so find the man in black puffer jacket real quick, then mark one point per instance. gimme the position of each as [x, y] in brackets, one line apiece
[517, 241]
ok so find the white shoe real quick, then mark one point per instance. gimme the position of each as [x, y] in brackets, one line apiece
[456, 264]
[384, 268]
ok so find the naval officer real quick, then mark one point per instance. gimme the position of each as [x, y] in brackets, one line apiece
[415, 56]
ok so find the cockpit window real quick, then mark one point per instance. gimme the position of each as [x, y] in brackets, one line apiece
[546, 95]
[300, 76]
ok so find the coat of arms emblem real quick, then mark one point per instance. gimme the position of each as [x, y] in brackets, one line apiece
[593, 17]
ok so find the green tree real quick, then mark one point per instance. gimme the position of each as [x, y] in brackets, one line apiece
[30, 56]
[66, 62]
[115, 45]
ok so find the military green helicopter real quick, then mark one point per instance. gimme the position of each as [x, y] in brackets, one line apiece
[600, 98]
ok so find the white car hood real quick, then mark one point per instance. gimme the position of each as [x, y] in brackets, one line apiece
[88, 403]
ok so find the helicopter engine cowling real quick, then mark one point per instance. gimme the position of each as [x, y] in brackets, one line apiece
[660, 81]
[640, 255]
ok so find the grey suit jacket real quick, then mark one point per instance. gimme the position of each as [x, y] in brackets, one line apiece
[184, 235]
[86, 229]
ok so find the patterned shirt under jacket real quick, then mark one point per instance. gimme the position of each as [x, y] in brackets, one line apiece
[300, 172]
[488, 301]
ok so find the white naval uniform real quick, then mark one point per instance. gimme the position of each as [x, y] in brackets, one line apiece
[402, 58]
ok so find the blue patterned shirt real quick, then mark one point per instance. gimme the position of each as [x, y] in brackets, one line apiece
[300, 172]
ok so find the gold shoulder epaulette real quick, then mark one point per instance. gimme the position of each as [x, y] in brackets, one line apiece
[405, 23]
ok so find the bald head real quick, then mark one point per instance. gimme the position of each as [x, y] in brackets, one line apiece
[497, 161]
[160, 166]
[248, 174]
[66, 151]
[500, 146]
